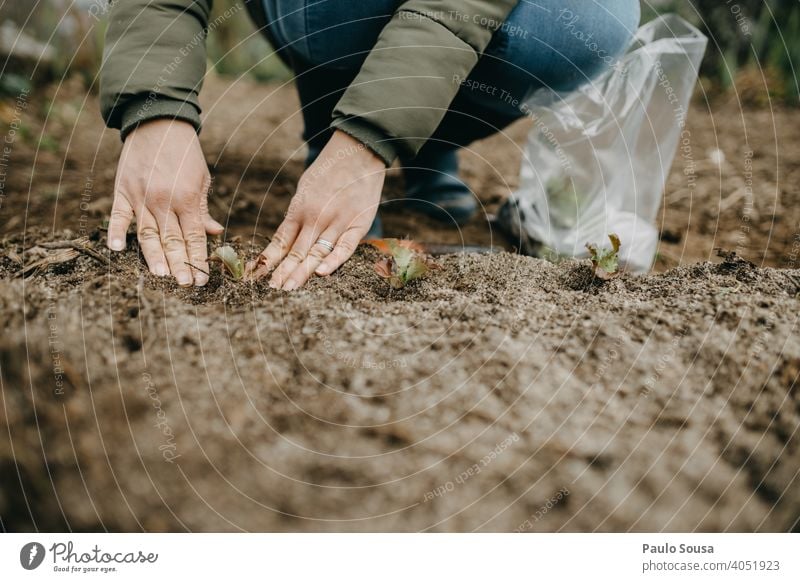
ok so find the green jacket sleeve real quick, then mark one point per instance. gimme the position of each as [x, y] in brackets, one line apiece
[154, 61]
[412, 75]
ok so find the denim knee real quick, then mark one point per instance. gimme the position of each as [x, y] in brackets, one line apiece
[337, 34]
[560, 44]
[597, 40]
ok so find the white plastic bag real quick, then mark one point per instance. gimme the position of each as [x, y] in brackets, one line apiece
[598, 157]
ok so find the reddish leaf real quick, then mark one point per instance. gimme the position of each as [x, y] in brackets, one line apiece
[406, 260]
[384, 268]
[381, 244]
[389, 246]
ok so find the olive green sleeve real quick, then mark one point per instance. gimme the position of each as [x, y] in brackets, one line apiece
[406, 84]
[154, 61]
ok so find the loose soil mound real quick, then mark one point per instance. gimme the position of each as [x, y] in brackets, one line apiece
[500, 393]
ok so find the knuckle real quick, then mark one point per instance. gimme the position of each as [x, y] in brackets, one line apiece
[346, 246]
[118, 214]
[195, 238]
[172, 242]
[317, 253]
[147, 234]
[172, 237]
[295, 255]
[279, 241]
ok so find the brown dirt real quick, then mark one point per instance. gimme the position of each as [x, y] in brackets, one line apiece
[661, 403]
[500, 393]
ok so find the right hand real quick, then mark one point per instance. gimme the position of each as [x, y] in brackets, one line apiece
[163, 181]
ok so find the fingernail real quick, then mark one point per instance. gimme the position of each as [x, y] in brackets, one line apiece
[322, 270]
[116, 244]
[290, 285]
[184, 279]
[161, 270]
[200, 280]
[274, 284]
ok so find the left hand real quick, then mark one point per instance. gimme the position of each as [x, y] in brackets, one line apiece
[337, 198]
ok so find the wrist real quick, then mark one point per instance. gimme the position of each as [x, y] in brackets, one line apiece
[346, 146]
[162, 124]
[143, 110]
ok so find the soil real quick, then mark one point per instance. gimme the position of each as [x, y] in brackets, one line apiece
[500, 393]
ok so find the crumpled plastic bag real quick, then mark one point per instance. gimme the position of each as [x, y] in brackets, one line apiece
[597, 158]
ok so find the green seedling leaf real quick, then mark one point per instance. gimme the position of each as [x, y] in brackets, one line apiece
[605, 262]
[406, 261]
[230, 261]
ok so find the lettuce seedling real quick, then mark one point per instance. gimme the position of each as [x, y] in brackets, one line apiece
[605, 262]
[230, 261]
[405, 261]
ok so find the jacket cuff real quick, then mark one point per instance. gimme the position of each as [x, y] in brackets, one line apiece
[371, 136]
[148, 107]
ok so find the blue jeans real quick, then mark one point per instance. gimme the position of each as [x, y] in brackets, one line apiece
[543, 43]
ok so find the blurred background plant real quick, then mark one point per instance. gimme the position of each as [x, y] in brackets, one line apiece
[45, 41]
[754, 44]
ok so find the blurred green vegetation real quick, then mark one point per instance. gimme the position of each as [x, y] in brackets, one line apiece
[751, 42]
[235, 47]
[74, 31]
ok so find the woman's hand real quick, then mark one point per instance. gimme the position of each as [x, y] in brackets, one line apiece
[163, 180]
[337, 198]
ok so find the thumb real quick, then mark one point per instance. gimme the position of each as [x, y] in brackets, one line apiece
[121, 217]
[212, 226]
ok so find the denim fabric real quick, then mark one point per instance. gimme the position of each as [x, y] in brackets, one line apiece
[554, 43]
[559, 44]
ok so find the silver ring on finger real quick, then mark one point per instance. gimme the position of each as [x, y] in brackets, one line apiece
[325, 243]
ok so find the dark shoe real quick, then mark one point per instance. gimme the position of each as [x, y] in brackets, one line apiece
[434, 188]
[510, 220]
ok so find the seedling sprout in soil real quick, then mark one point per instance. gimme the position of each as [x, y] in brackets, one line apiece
[230, 260]
[605, 262]
[405, 261]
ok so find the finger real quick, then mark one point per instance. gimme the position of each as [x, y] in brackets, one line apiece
[194, 234]
[279, 246]
[212, 226]
[175, 249]
[253, 270]
[316, 255]
[121, 218]
[150, 243]
[294, 257]
[345, 247]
